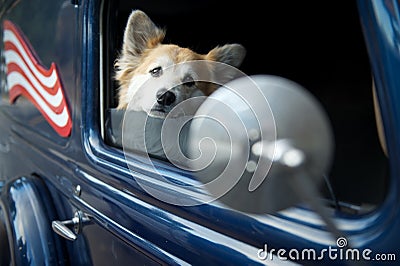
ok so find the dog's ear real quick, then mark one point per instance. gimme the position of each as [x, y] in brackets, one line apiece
[231, 54]
[140, 33]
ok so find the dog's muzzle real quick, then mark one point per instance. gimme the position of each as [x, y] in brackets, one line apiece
[165, 97]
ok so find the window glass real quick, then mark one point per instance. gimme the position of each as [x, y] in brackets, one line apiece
[303, 42]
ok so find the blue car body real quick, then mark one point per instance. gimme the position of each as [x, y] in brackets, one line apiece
[46, 176]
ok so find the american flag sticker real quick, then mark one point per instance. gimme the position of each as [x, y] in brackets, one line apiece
[27, 77]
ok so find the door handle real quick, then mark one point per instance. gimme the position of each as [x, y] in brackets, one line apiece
[77, 222]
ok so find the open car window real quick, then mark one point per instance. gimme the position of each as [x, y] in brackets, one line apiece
[331, 64]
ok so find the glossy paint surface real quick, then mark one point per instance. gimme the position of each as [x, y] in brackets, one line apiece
[128, 226]
[28, 210]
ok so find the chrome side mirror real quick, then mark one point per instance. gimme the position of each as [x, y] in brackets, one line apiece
[259, 143]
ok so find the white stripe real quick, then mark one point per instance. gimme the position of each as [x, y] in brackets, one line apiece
[13, 57]
[47, 81]
[15, 78]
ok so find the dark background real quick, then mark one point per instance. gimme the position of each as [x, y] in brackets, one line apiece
[318, 44]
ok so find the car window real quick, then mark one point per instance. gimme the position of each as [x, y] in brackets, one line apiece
[332, 64]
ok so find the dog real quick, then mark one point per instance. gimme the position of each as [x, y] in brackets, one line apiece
[145, 59]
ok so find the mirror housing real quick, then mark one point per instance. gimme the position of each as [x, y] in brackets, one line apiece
[249, 139]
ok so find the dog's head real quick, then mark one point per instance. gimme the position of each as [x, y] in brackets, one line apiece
[144, 59]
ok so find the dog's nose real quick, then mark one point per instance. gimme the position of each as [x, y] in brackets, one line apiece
[165, 97]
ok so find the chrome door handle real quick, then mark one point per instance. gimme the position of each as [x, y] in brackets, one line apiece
[61, 227]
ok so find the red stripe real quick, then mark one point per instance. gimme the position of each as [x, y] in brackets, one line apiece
[18, 90]
[51, 90]
[62, 131]
[12, 67]
[8, 25]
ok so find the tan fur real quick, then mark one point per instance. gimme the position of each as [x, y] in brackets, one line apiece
[142, 46]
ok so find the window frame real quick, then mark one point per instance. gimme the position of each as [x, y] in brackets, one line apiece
[289, 226]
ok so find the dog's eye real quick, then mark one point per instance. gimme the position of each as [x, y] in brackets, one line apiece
[156, 72]
[189, 82]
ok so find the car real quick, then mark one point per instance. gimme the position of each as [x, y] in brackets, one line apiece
[72, 192]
